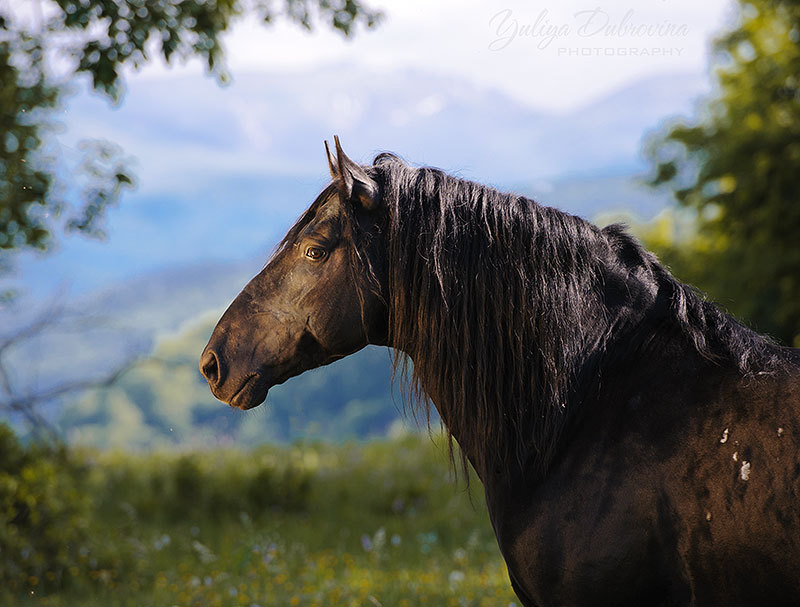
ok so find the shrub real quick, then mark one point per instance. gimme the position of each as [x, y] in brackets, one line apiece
[43, 515]
[215, 485]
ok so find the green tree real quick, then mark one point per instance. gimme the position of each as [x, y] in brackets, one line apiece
[98, 39]
[735, 167]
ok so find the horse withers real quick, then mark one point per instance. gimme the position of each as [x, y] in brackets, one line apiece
[637, 445]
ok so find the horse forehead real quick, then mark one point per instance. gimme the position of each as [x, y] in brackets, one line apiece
[328, 213]
[331, 207]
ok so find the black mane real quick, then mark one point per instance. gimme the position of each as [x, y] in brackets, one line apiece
[501, 303]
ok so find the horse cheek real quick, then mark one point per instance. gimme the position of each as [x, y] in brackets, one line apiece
[334, 317]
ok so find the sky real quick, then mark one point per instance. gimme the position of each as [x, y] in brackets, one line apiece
[553, 55]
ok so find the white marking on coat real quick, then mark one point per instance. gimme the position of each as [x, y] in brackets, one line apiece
[708, 516]
[780, 431]
[736, 456]
[724, 438]
[745, 471]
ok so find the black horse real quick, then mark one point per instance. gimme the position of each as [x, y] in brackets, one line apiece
[636, 444]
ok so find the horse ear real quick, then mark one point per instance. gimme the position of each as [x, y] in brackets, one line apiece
[332, 167]
[354, 183]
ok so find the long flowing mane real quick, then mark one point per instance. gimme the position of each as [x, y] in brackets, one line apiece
[505, 306]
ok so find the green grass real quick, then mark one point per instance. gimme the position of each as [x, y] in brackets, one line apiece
[380, 523]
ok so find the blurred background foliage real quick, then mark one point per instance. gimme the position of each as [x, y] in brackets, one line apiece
[43, 514]
[734, 172]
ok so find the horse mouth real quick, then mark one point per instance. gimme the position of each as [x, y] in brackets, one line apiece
[251, 393]
[255, 387]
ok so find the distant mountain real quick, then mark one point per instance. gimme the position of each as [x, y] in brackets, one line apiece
[165, 402]
[89, 336]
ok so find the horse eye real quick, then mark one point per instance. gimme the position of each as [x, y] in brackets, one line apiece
[316, 253]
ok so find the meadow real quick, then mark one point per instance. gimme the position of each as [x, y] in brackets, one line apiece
[379, 523]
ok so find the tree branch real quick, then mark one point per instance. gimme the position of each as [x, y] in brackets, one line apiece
[26, 404]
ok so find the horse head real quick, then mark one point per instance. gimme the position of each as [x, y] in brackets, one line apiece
[320, 297]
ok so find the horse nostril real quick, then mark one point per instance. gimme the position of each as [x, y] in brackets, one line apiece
[209, 367]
